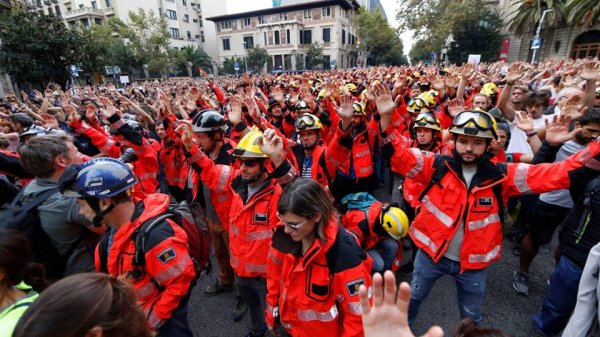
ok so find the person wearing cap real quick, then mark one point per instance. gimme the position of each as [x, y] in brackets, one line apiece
[251, 193]
[279, 116]
[378, 229]
[458, 229]
[102, 188]
[20, 121]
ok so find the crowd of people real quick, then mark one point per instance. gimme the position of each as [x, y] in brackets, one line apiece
[113, 191]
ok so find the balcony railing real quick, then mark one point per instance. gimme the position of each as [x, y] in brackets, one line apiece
[83, 12]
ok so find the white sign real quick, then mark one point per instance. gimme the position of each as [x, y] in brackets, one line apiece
[474, 59]
[124, 79]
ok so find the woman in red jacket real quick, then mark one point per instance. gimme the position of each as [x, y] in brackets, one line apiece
[315, 267]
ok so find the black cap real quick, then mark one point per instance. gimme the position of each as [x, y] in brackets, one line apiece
[21, 118]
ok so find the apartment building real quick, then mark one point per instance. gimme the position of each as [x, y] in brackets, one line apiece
[184, 17]
[287, 32]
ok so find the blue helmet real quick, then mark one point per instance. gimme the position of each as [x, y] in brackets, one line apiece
[101, 178]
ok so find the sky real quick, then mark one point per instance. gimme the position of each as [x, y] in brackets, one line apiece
[237, 6]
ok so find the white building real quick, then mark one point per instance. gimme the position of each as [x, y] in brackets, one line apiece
[287, 32]
[184, 17]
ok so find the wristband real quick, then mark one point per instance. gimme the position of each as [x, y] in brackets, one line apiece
[531, 134]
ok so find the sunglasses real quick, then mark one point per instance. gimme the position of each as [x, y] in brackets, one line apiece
[293, 225]
[250, 162]
[304, 122]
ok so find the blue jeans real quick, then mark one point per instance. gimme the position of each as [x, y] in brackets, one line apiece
[383, 254]
[253, 291]
[560, 299]
[470, 286]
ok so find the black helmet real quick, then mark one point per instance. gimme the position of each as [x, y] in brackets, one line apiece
[209, 120]
[272, 102]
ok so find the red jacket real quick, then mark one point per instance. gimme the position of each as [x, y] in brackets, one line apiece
[316, 294]
[362, 224]
[251, 221]
[449, 203]
[362, 154]
[168, 263]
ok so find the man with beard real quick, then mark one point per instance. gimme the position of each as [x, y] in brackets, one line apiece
[552, 207]
[458, 228]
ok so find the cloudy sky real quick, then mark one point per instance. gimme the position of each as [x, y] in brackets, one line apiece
[236, 6]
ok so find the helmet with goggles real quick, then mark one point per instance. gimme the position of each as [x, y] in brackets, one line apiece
[301, 106]
[358, 109]
[308, 122]
[427, 120]
[474, 123]
[417, 105]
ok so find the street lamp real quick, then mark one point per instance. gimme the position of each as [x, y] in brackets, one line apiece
[245, 53]
[189, 68]
[537, 34]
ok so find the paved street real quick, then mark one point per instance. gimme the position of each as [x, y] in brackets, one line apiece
[504, 308]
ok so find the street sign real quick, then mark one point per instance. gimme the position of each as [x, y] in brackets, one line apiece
[236, 66]
[74, 71]
[535, 43]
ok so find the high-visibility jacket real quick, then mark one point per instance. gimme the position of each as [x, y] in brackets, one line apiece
[251, 220]
[316, 294]
[450, 202]
[362, 154]
[168, 271]
[362, 224]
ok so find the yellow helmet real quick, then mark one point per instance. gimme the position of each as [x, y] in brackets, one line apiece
[308, 122]
[427, 120]
[359, 109]
[428, 98]
[352, 88]
[394, 221]
[475, 123]
[321, 95]
[417, 105]
[489, 89]
[248, 146]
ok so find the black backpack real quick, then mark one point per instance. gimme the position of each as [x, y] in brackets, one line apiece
[25, 219]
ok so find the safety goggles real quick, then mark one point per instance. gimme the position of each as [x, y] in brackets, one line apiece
[293, 225]
[425, 119]
[358, 109]
[302, 105]
[417, 103]
[473, 121]
[304, 122]
[249, 162]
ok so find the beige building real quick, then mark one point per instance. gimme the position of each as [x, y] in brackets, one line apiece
[559, 43]
[184, 17]
[287, 32]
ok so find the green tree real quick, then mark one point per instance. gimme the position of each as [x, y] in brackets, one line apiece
[229, 63]
[256, 58]
[314, 56]
[527, 15]
[37, 48]
[149, 40]
[583, 12]
[420, 51]
[192, 54]
[378, 41]
[478, 36]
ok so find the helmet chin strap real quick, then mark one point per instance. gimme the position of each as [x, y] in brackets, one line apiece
[99, 216]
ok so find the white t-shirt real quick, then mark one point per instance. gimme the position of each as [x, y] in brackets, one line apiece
[453, 251]
[518, 138]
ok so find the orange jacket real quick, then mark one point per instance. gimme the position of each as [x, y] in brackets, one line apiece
[168, 263]
[362, 154]
[316, 294]
[449, 203]
[251, 221]
[362, 224]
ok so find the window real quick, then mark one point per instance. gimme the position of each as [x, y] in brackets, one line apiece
[307, 36]
[186, 18]
[189, 35]
[80, 6]
[193, 5]
[170, 0]
[248, 42]
[266, 42]
[174, 32]
[226, 45]
[184, 2]
[283, 16]
[98, 21]
[307, 14]
[343, 36]
[326, 35]
[226, 25]
[108, 3]
[277, 41]
[202, 37]
[246, 22]
[195, 20]
[50, 12]
[326, 11]
[94, 5]
[288, 39]
[171, 14]
[57, 10]
[348, 37]
[353, 39]
[261, 20]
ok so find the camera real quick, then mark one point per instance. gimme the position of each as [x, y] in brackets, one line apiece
[128, 156]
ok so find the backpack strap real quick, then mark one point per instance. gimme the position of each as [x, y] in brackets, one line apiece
[439, 164]
[140, 241]
[35, 202]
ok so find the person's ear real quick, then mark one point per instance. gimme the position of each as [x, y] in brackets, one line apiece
[94, 332]
[104, 203]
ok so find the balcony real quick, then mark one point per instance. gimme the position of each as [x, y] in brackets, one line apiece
[83, 12]
[109, 11]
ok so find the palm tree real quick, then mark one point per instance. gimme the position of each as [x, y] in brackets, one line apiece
[192, 54]
[583, 12]
[527, 15]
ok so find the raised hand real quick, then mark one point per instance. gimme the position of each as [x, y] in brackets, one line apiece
[388, 316]
[345, 110]
[524, 121]
[49, 121]
[589, 71]
[90, 112]
[455, 107]
[277, 94]
[271, 145]
[515, 72]
[451, 82]
[383, 99]
[438, 85]
[235, 115]
[73, 114]
[558, 133]
[184, 130]
[253, 109]
[573, 107]
[467, 71]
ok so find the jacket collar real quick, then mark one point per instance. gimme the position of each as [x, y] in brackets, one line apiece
[486, 170]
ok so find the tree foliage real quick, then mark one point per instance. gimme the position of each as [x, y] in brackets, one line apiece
[583, 12]
[37, 48]
[229, 64]
[477, 36]
[420, 51]
[527, 15]
[191, 54]
[256, 58]
[379, 42]
[314, 56]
